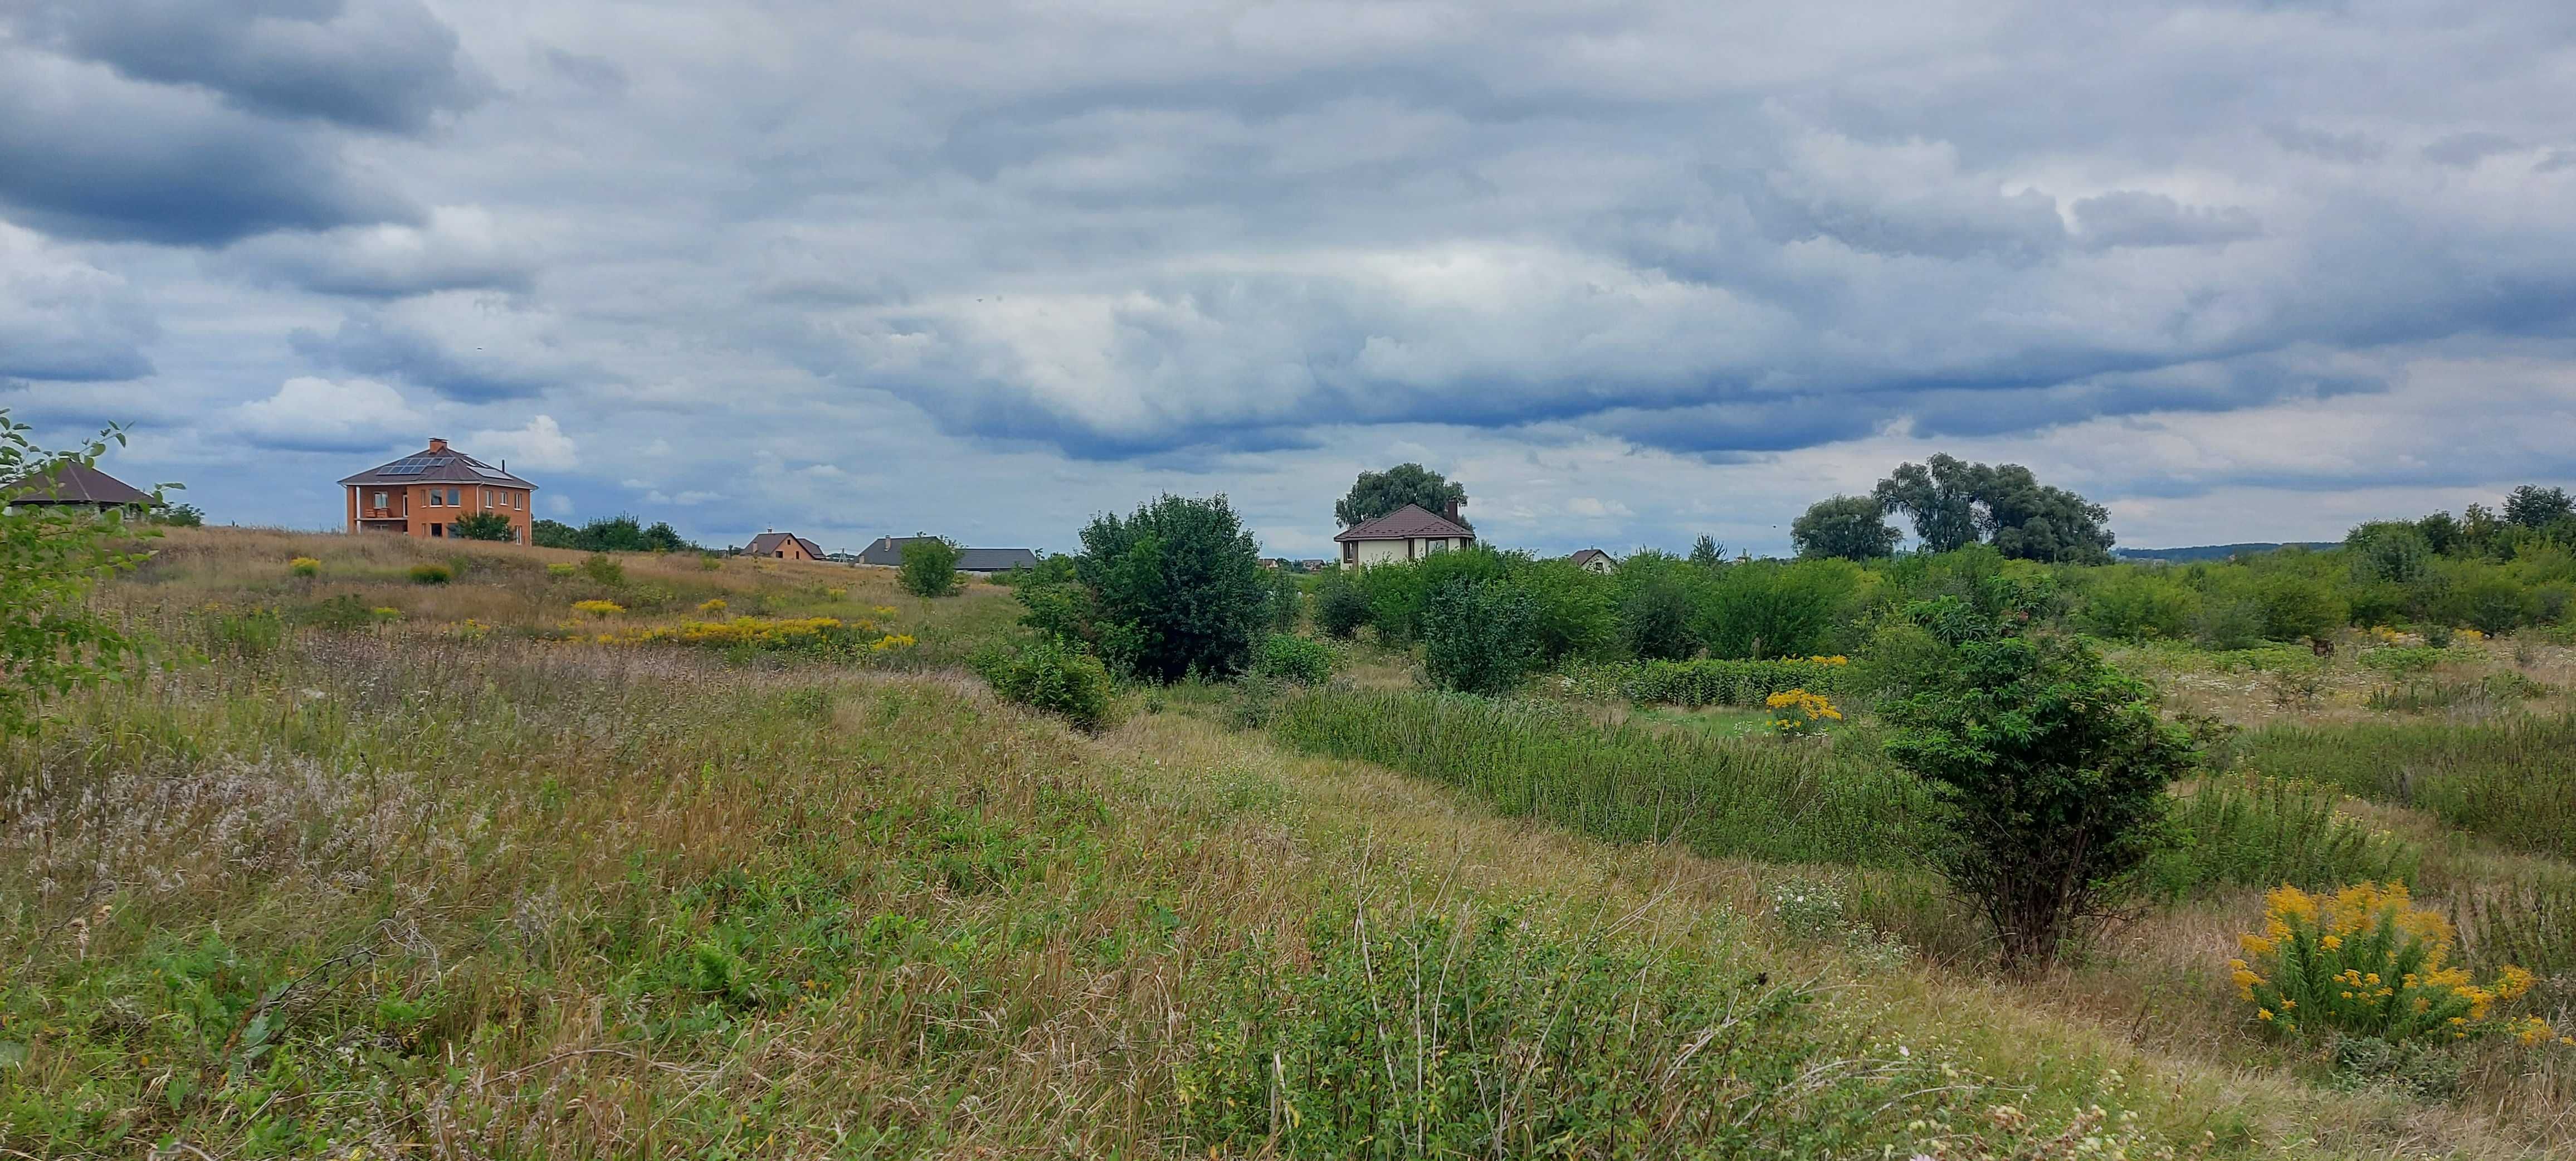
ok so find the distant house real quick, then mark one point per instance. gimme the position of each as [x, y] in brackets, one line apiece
[1408, 533]
[888, 551]
[424, 494]
[783, 546]
[1316, 564]
[1594, 560]
[75, 485]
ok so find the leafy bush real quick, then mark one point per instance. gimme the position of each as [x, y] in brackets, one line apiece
[1659, 607]
[1478, 638]
[1176, 588]
[52, 639]
[2365, 961]
[1340, 605]
[929, 567]
[603, 568]
[1287, 603]
[244, 632]
[431, 574]
[2130, 604]
[1302, 660]
[483, 526]
[610, 534]
[1763, 609]
[1570, 609]
[304, 566]
[2050, 768]
[2295, 608]
[1051, 676]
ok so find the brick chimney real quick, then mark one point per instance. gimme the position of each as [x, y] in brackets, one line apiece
[1452, 513]
[437, 445]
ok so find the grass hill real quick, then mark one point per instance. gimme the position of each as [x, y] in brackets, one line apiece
[658, 856]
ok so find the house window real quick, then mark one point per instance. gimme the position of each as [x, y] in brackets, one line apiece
[438, 530]
[380, 501]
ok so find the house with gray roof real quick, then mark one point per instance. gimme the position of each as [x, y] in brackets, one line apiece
[888, 551]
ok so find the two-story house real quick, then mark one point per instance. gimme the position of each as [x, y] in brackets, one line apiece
[423, 494]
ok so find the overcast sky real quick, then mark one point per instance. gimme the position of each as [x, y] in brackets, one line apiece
[1630, 272]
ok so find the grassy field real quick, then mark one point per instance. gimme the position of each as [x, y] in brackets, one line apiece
[439, 883]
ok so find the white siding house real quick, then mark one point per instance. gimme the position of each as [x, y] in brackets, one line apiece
[1408, 533]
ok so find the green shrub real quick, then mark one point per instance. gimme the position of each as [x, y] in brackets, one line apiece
[1302, 660]
[2128, 603]
[1570, 609]
[1765, 609]
[431, 574]
[245, 632]
[2399, 660]
[1054, 677]
[1340, 605]
[603, 568]
[1287, 602]
[1658, 607]
[1478, 638]
[1176, 588]
[339, 611]
[1712, 681]
[929, 567]
[483, 526]
[2295, 608]
[2365, 961]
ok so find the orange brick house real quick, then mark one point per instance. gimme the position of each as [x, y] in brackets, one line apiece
[783, 546]
[422, 494]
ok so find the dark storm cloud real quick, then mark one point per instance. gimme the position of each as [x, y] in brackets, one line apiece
[86, 155]
[372, 343]
[371, 64]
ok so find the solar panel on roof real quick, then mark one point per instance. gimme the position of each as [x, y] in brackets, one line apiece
[410, 467]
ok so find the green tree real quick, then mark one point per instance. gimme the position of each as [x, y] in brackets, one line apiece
[1849, 527]
[1955, 503]
[929, 567]
[1940, 494]
[1477, 638]
[1177, 586]
[1340, 605]
[2532, 506]
[52, 640]
[554, 534]
[1378, 493]
[2390, 551]
[2049, 768]
[1706, 552]
[180, 516]
[483, 526]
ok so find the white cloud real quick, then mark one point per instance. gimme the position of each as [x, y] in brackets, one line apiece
[541, 445]
[309, 413]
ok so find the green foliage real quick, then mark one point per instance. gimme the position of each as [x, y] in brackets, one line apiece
[431, 574]
[2388, 552]
[929, 567]
[1176, 588]
[1845, 527]
[483, 526]
[1341, 605]
[1658, 609]
[1570, 609]
[1768, 608]
[1287, 601]
[610, 534]
[1711, 681]
[1479, 638]
[1054, 677]
[179, 516]
[2246, 830]
[1955, 503]
[2400, 660]
[2133, 604]
[52, 641]
[1063, 609]
[1399, 594]
[1299, 660]
[602, 568]
[1376, 494]
[2296, 607]
[1706, 552]
[2050, 768]
[1715, 796]
[2532, 506]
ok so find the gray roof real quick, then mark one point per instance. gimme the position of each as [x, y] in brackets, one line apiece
[888, 550]
[1406, 523]
[769, 542]
[437, 465]
[72, 483]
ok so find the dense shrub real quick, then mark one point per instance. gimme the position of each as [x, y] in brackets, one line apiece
[1302, 660]
[1478, 638]
[2131, 604]
[2050, 768]
[2365, 961]
[1176, 588]
[1287, 603]
[304, 566]
[610, 534]
[483, 526]
[929, 567]
[2296, 607]
[1341, 607]
[1658, 610]
[1570, 610]
[1054, 677]
[1774, 609]
[431, 574]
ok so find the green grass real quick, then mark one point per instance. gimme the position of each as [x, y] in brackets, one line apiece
[1760, 797]
[2512, 779]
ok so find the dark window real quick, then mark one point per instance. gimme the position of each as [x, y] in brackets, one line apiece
[438, 530]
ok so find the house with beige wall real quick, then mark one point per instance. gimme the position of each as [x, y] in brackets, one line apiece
[1408, 533]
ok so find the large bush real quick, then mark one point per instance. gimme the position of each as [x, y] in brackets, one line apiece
[1176, 588]
[1478, 638]
[2050, 768]
[1341, 606]
[1776, 609]
[483, 526]
[1658, 610]
[1570, 609]
[1051, 675]
[929, 567]
[1299, 660]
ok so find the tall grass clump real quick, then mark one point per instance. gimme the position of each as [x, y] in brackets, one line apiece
[2512, 779]
[2247, 830]
[1624, 783]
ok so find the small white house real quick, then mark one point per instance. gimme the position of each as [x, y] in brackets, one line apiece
[1594, 560]
[1408, 533]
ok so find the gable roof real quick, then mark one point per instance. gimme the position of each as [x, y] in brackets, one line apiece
[1406, 523]
[888, 550]
[769, 542]
[438, 465]
[74, 482]
[1588, 555]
